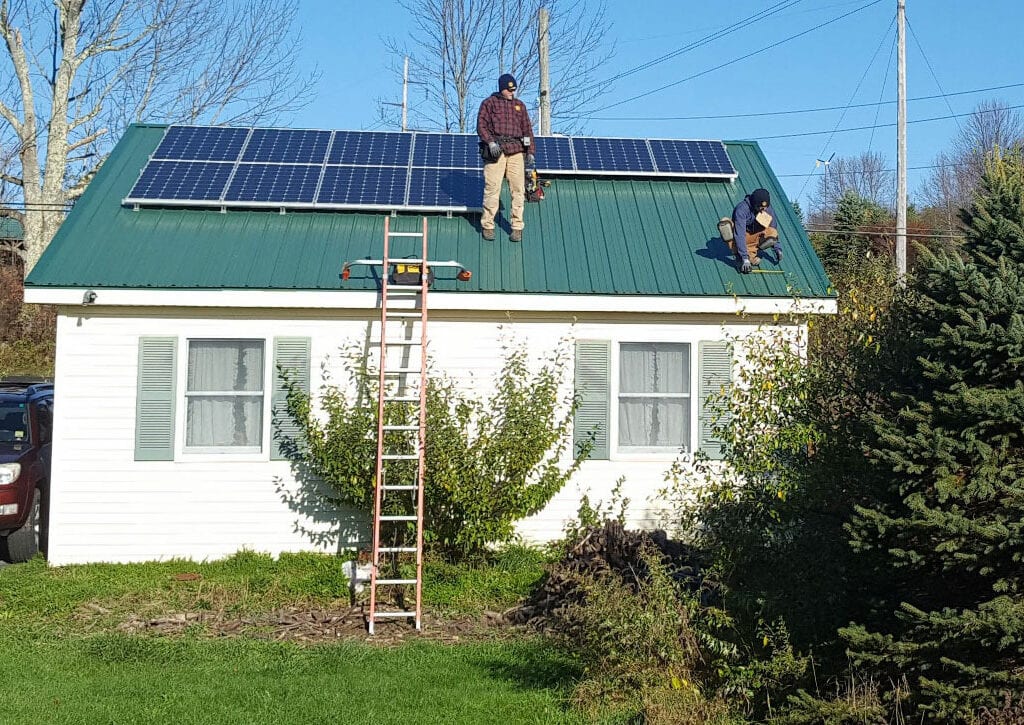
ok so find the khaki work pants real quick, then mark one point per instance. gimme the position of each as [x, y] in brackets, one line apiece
[506, 167]
[754, 242]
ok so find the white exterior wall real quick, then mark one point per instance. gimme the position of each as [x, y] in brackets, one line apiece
[108, 507]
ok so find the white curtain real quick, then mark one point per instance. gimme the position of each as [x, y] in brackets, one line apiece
[654, 394]
[225, 393]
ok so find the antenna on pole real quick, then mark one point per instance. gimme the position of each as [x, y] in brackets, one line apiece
[901, 145]
[825, 163]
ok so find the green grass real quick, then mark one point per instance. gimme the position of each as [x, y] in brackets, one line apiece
[66, 661]
[115, 678]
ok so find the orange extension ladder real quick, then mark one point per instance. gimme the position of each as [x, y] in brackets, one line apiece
[401, 395]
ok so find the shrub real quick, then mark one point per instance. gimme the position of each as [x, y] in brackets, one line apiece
[489, 462]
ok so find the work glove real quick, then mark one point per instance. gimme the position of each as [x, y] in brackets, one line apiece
[531, 160]
[494, 148]
[745, 267]
[778, 255]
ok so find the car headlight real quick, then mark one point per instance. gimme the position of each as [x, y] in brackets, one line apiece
[9, 473]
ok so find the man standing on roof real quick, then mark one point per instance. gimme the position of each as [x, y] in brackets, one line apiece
[754, 229]
[507, 135]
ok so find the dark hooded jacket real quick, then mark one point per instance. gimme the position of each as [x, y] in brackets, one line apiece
[745, 222]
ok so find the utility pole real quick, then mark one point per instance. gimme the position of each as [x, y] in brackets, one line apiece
[545, 81]
[901, 144]
[405, 95]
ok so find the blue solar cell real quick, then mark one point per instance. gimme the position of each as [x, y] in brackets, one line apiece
[691, 157]
[612, 155]
[370, 148]
[279, 183]
[199, 181]
[201, 143]
[447, 151]
[447, 188]
[286, 146]
[554, 153]
[363, 185]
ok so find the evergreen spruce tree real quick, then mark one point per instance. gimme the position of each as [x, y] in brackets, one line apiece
[948, 519]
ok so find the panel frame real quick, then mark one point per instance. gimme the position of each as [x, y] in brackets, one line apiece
[410, 168]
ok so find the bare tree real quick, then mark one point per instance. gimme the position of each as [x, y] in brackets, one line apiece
[952, 183]
[458, 48]
[81, 71]
[866, 175]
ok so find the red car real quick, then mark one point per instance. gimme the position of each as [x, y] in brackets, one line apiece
[26, 430]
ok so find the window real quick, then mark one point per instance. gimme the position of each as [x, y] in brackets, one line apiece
[654, 395]
[224, 395]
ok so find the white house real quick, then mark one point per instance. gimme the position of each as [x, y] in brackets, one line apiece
[160, 306]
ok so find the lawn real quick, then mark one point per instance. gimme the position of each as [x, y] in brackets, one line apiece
[71, 658]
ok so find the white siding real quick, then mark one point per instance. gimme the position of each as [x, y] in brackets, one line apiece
[108, 507]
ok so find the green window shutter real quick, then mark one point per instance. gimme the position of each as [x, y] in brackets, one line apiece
[155, 399]
[292, 355]
[593, 388]
[713, 377]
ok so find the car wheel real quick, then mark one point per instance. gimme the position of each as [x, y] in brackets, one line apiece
[23, 544]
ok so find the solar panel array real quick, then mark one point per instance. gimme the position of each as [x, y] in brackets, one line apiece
[285, 168]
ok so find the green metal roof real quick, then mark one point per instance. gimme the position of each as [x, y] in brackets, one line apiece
[588, 236]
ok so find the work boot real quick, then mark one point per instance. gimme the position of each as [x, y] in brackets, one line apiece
[516, 235]
[488, 234]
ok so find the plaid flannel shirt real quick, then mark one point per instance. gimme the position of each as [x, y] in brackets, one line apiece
[504, 121]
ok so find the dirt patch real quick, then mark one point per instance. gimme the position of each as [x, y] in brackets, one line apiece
[315, 626]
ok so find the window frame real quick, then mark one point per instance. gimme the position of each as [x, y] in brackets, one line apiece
[235, 453]
[618, 452]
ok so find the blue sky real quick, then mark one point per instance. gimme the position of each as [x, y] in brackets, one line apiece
[952, 47]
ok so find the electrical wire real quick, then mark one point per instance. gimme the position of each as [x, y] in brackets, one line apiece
[802, 110]
[719, 33]
[881, 92]
[935, 77]
[737, 60]
[887, 230]
[890, 125]
[853, 95]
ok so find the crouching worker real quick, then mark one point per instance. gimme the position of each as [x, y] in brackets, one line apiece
[752, 230]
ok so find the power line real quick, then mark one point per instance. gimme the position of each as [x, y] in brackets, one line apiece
[860, 172]
[886, 230]
[742, 57]
[719, 33]
[935, 77]
[824, 147]
[888, 125]
[801, 110]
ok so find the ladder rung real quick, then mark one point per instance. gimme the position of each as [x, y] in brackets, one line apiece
[405, 315]
[382, 582]
[401, 487]
[401, 371]
[397, 549]
[402, 399]
[403, 234]
[401, 427]
[402, 342]
[395, 614]
[401, 456]
[398, 517]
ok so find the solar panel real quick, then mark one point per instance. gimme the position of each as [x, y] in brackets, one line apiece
[363, 186]
[370, 148]
[274, 183]
[201, 143]
[708, 158]
[198, 181]
[612, 155]
[285, 146]
[457, 189]
[447, 151]
[554, 153]
[204, 166]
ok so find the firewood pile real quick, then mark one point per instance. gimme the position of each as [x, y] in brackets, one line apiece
[601, 550]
